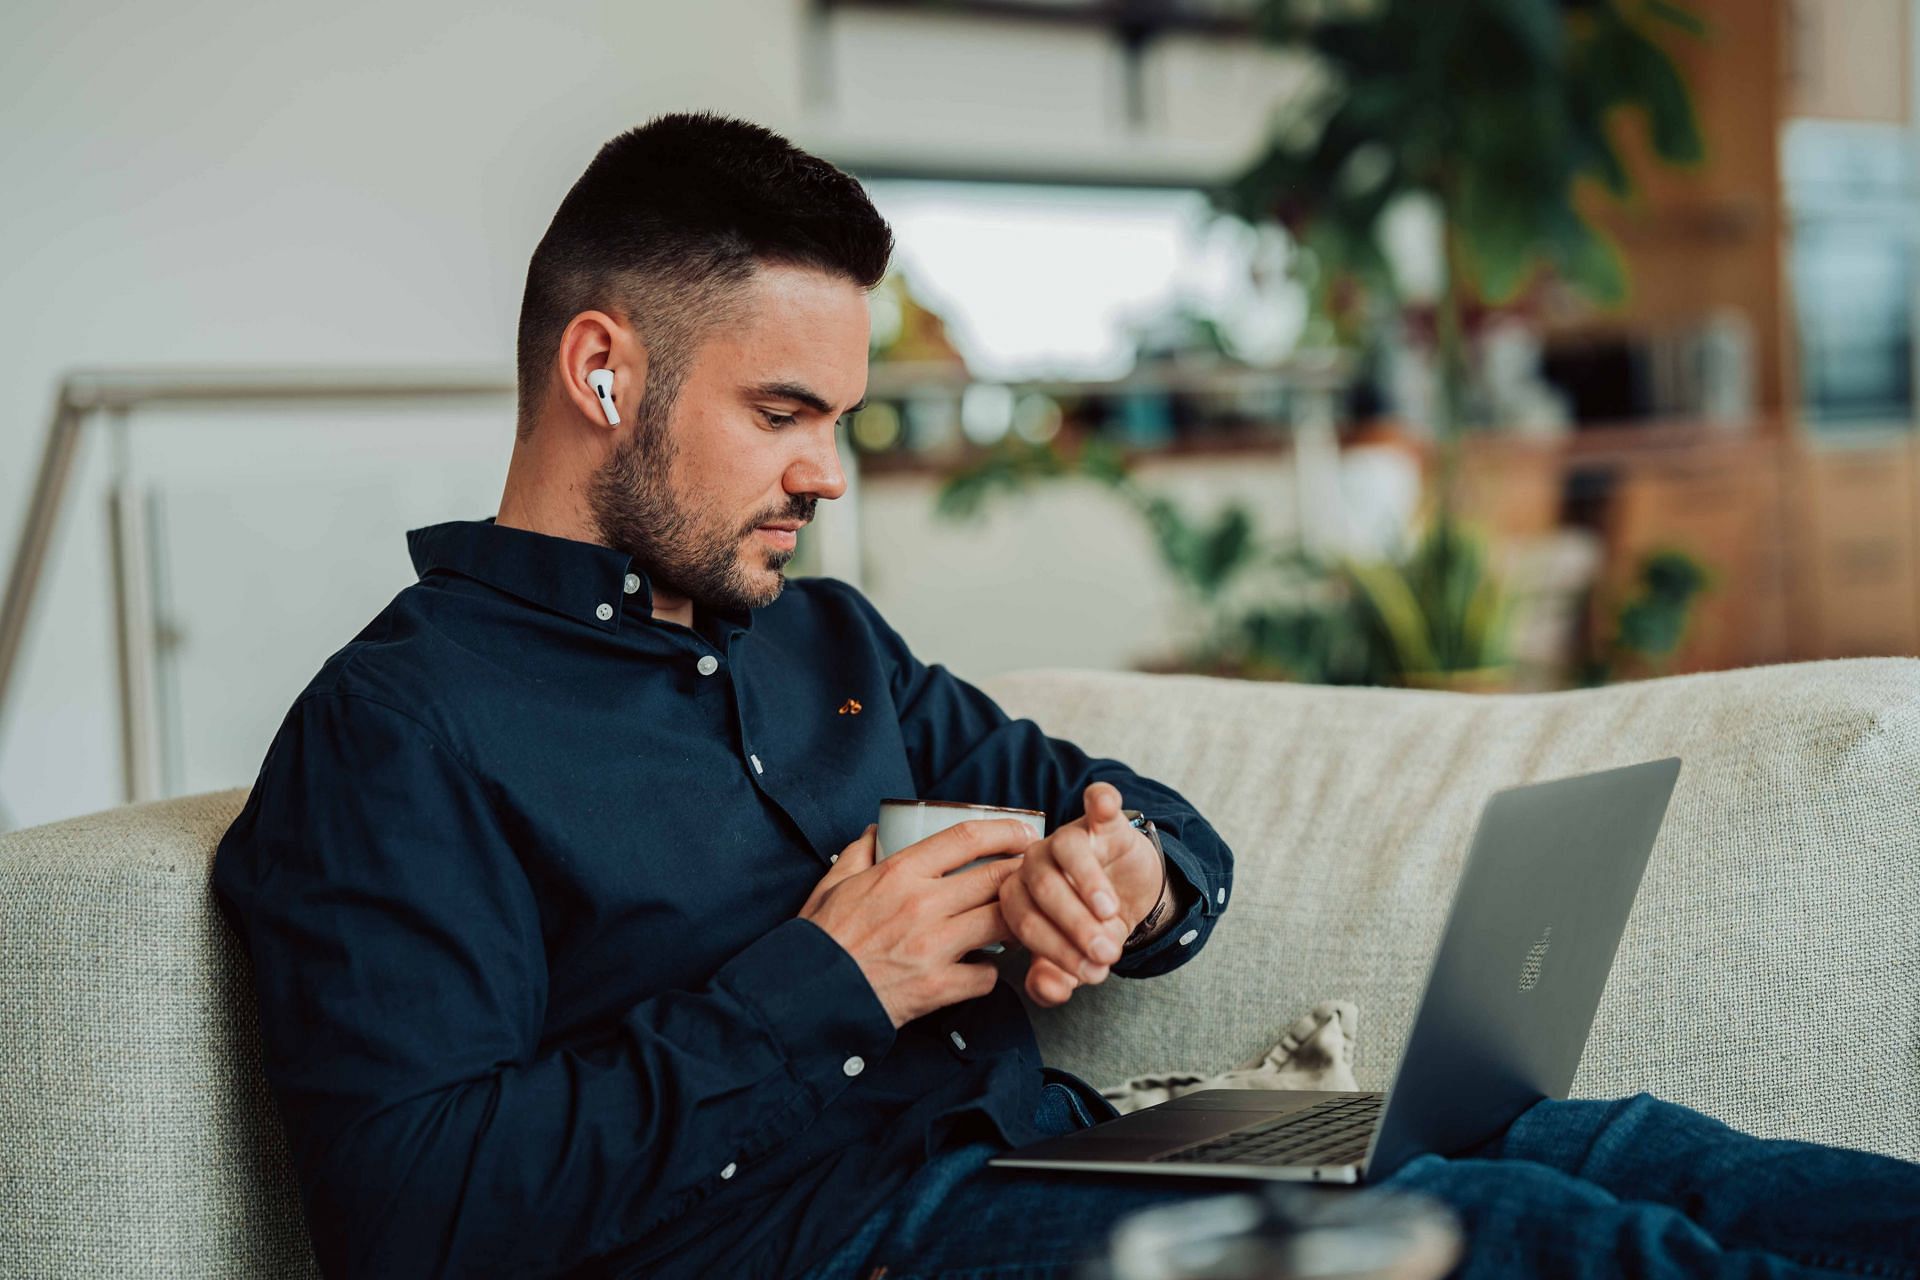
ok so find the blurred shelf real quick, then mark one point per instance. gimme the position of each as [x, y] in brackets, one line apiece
[1626, 442]
[1139, 19]
[1262, 441]
[1132, 25]
[899, 379]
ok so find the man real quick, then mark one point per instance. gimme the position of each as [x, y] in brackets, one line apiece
[571, 950]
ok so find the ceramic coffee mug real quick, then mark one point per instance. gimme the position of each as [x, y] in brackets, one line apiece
[905, 822]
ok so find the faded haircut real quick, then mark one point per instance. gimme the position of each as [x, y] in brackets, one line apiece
[667, 224]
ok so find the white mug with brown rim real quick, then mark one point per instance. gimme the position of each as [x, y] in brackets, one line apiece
[905, 822]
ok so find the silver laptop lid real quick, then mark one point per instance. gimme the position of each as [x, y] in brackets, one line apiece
[1537, 916]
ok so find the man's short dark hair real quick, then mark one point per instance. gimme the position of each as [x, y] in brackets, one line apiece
[664, 227]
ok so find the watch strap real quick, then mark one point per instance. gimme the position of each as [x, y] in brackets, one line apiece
[1140, 822]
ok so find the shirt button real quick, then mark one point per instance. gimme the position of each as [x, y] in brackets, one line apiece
[854, 1066]
[632, 584]
[756, 764]
[958, 1041]
[1189, 936]
[707, 665]
[603, 612]
[1221, 897]
[729, 1170]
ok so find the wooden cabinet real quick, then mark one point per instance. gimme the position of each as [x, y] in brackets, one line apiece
[1814, 550]
[1856, 551]
[1723, 506]
[1712, 236]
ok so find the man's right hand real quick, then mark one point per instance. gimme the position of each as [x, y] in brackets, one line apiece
[907, 922]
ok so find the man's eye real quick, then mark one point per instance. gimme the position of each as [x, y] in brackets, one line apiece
[778, 419]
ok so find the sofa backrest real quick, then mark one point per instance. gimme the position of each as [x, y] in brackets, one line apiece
[1770, 972]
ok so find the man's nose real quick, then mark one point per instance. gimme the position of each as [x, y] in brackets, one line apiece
[818, 471]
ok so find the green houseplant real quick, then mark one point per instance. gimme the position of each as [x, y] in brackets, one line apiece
[1647, 625]
[1494, 113]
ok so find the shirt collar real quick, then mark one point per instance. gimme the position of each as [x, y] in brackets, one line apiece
[562, 575]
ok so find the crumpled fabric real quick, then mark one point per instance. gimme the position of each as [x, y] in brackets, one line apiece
[1315, 1052]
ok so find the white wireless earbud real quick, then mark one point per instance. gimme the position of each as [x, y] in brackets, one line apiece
[601, 380]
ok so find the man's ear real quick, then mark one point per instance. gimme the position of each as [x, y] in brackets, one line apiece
[599, 340]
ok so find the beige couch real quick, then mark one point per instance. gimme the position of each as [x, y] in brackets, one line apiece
[1768, 975]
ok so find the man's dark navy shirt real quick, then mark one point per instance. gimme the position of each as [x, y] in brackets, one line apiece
[519, 877]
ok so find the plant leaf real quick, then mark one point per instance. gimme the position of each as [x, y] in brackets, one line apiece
[1676, 15]
[1392, 601]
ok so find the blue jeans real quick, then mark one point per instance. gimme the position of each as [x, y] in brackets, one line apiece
[1635, 1187]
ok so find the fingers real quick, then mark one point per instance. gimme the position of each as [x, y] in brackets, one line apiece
[1082, 948]
[859, 855]
[1047, 984]
[978, 926]
[1072, 850]
[1102, 802]
[1067, 905]
[948, 850]
[850, 861]
[976, 885]
[1106, 821]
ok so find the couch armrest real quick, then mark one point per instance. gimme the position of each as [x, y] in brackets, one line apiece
[137, 1135]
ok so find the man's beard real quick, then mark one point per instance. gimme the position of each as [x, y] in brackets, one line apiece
[631, 497]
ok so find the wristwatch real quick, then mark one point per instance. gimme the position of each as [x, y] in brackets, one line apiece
[1142, 823]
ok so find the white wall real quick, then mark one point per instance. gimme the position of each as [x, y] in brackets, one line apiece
[1063, 575]
[232, 183]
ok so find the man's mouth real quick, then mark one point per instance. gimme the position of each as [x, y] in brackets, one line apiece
[783, 534]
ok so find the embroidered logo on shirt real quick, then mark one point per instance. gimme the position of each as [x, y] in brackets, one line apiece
[851, 707]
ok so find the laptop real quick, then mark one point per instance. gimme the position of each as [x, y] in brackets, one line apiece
[1536, 918]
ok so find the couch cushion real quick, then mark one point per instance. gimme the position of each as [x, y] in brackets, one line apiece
[1768, 972]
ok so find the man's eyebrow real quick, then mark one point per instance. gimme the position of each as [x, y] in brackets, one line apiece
[805, 395]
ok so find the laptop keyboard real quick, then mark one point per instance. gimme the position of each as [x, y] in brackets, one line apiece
[1334, 1132]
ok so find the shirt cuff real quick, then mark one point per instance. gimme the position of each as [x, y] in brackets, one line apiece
[1185, 936]
[816, 1003]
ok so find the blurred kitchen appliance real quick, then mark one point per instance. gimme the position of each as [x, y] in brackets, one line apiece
[1854, 206]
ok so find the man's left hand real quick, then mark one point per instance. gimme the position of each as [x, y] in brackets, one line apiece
[1078, 894]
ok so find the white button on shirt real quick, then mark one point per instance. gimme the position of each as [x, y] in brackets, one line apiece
[729, 1170]
[1189, 936]
[632, 584]
[958, 1042]
[603, 612]
[707, 665]
[1221, 897]
[854, 1066]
